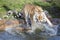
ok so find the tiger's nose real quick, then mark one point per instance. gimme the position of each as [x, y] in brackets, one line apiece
[40, 21]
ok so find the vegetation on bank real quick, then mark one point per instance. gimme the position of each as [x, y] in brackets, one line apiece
[18, 5]
[13, 5]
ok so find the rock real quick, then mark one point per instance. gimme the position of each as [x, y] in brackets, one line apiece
[55, 21]
[58, 32]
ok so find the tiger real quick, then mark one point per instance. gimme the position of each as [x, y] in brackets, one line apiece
[34, 13]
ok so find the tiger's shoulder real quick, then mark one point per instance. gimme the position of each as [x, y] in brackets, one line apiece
[32, 8]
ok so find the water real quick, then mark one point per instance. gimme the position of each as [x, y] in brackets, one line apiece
[44, 33]
[7, 36]
[54, 38]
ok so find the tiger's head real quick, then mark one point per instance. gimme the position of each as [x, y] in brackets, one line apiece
[39, 15]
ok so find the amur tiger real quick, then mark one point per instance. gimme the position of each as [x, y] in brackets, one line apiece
[35, 14]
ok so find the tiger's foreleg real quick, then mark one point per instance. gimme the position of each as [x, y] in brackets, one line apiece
[48, 21]
[28, 21]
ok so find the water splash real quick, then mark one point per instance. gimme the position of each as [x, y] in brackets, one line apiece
[51, 31]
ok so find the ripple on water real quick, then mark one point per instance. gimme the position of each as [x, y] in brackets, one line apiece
[7, 36]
